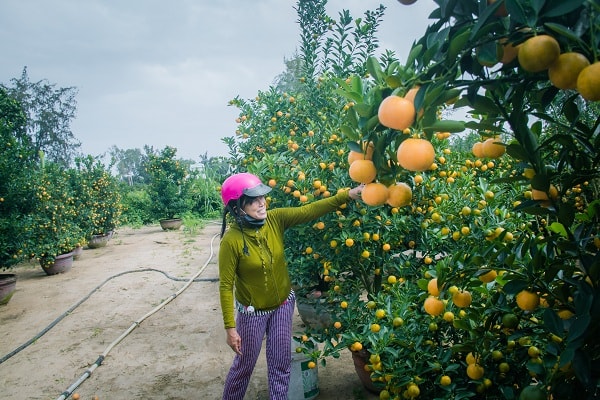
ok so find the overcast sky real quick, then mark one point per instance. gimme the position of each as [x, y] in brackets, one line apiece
[155, 72]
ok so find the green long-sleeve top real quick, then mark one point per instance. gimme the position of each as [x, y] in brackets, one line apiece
[261, 279]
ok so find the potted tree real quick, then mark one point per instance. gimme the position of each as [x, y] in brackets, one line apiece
[52, 229]
[169, 187]
[16, 166]
[98, 197]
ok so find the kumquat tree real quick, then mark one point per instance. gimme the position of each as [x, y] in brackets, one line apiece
[471, 268]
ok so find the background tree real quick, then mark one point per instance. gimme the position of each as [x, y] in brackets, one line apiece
[49, 111]
[128, 164]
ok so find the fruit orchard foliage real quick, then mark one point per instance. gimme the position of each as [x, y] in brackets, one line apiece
[52, 229]
[97, 195]
[15, 180]
[169, 184]
[468, 216]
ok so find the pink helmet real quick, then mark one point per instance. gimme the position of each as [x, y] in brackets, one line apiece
[242, 184]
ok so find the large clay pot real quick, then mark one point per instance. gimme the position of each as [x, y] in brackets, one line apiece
[97, 241]
[361, 358]
[313, 313]
[62, 263]
[77, 252]
[8, 285]
[171, 224]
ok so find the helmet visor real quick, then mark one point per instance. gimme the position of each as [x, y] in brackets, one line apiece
[258, 190]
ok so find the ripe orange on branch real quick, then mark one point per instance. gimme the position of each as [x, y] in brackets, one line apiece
[527, 300]
[588, 82]
[433, 306]
[492, 149]
[374, 194]
[415, 154]
[396, 112]
[399, 195]
[564, 71]
[362, 171]
[537, 53]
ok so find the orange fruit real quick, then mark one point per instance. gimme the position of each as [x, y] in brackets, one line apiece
[541, 195]
[445, 380]
[501, 11]
[472, 358]
[462, 298]
[432, 287]
[75, 396]
[537, 53]
[491, 149]
[374, 194]
[527, 300]
[478, 149]
[411, 94]
[488, 276]
[433, 306]
[588, 82]
[475, 371]
[415, 154]
[564, 71]
[362, 171]
[396, 112]
[399, 195]
[367, 153]
[509, 51]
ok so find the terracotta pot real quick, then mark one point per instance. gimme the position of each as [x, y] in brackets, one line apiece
[313, 313]
[361, 358]
[8, 285]
[62, 263]
[171, 224]
[98, 241]
[77, 252]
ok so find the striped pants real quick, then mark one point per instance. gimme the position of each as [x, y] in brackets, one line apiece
[277, 326]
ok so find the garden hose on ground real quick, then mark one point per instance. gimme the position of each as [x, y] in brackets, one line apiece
[135, 324]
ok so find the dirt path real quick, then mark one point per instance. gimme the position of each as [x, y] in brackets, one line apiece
[179, 352]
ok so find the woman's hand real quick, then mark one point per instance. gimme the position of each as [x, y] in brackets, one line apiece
[356, 191]
[234, 340]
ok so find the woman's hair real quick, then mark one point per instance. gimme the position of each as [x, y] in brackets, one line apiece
[233, 207]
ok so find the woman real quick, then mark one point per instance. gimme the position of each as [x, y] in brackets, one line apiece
[254, 280]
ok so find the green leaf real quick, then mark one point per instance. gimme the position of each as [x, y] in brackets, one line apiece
[516, 12]
[514, 286]
[552, 322]
[557, 8]
[563, 31]
[393, 81]
[559, 228]
[414, 53]
[516, 151]
[372, 123]
[579, 327]
[457, 44]
[484, 105]
[446, 126]
[349, 132]
[374, 68]
[364, 110]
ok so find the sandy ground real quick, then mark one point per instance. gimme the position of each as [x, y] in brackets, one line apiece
[173, 351]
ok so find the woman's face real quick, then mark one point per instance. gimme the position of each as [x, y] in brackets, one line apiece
[256, 207]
